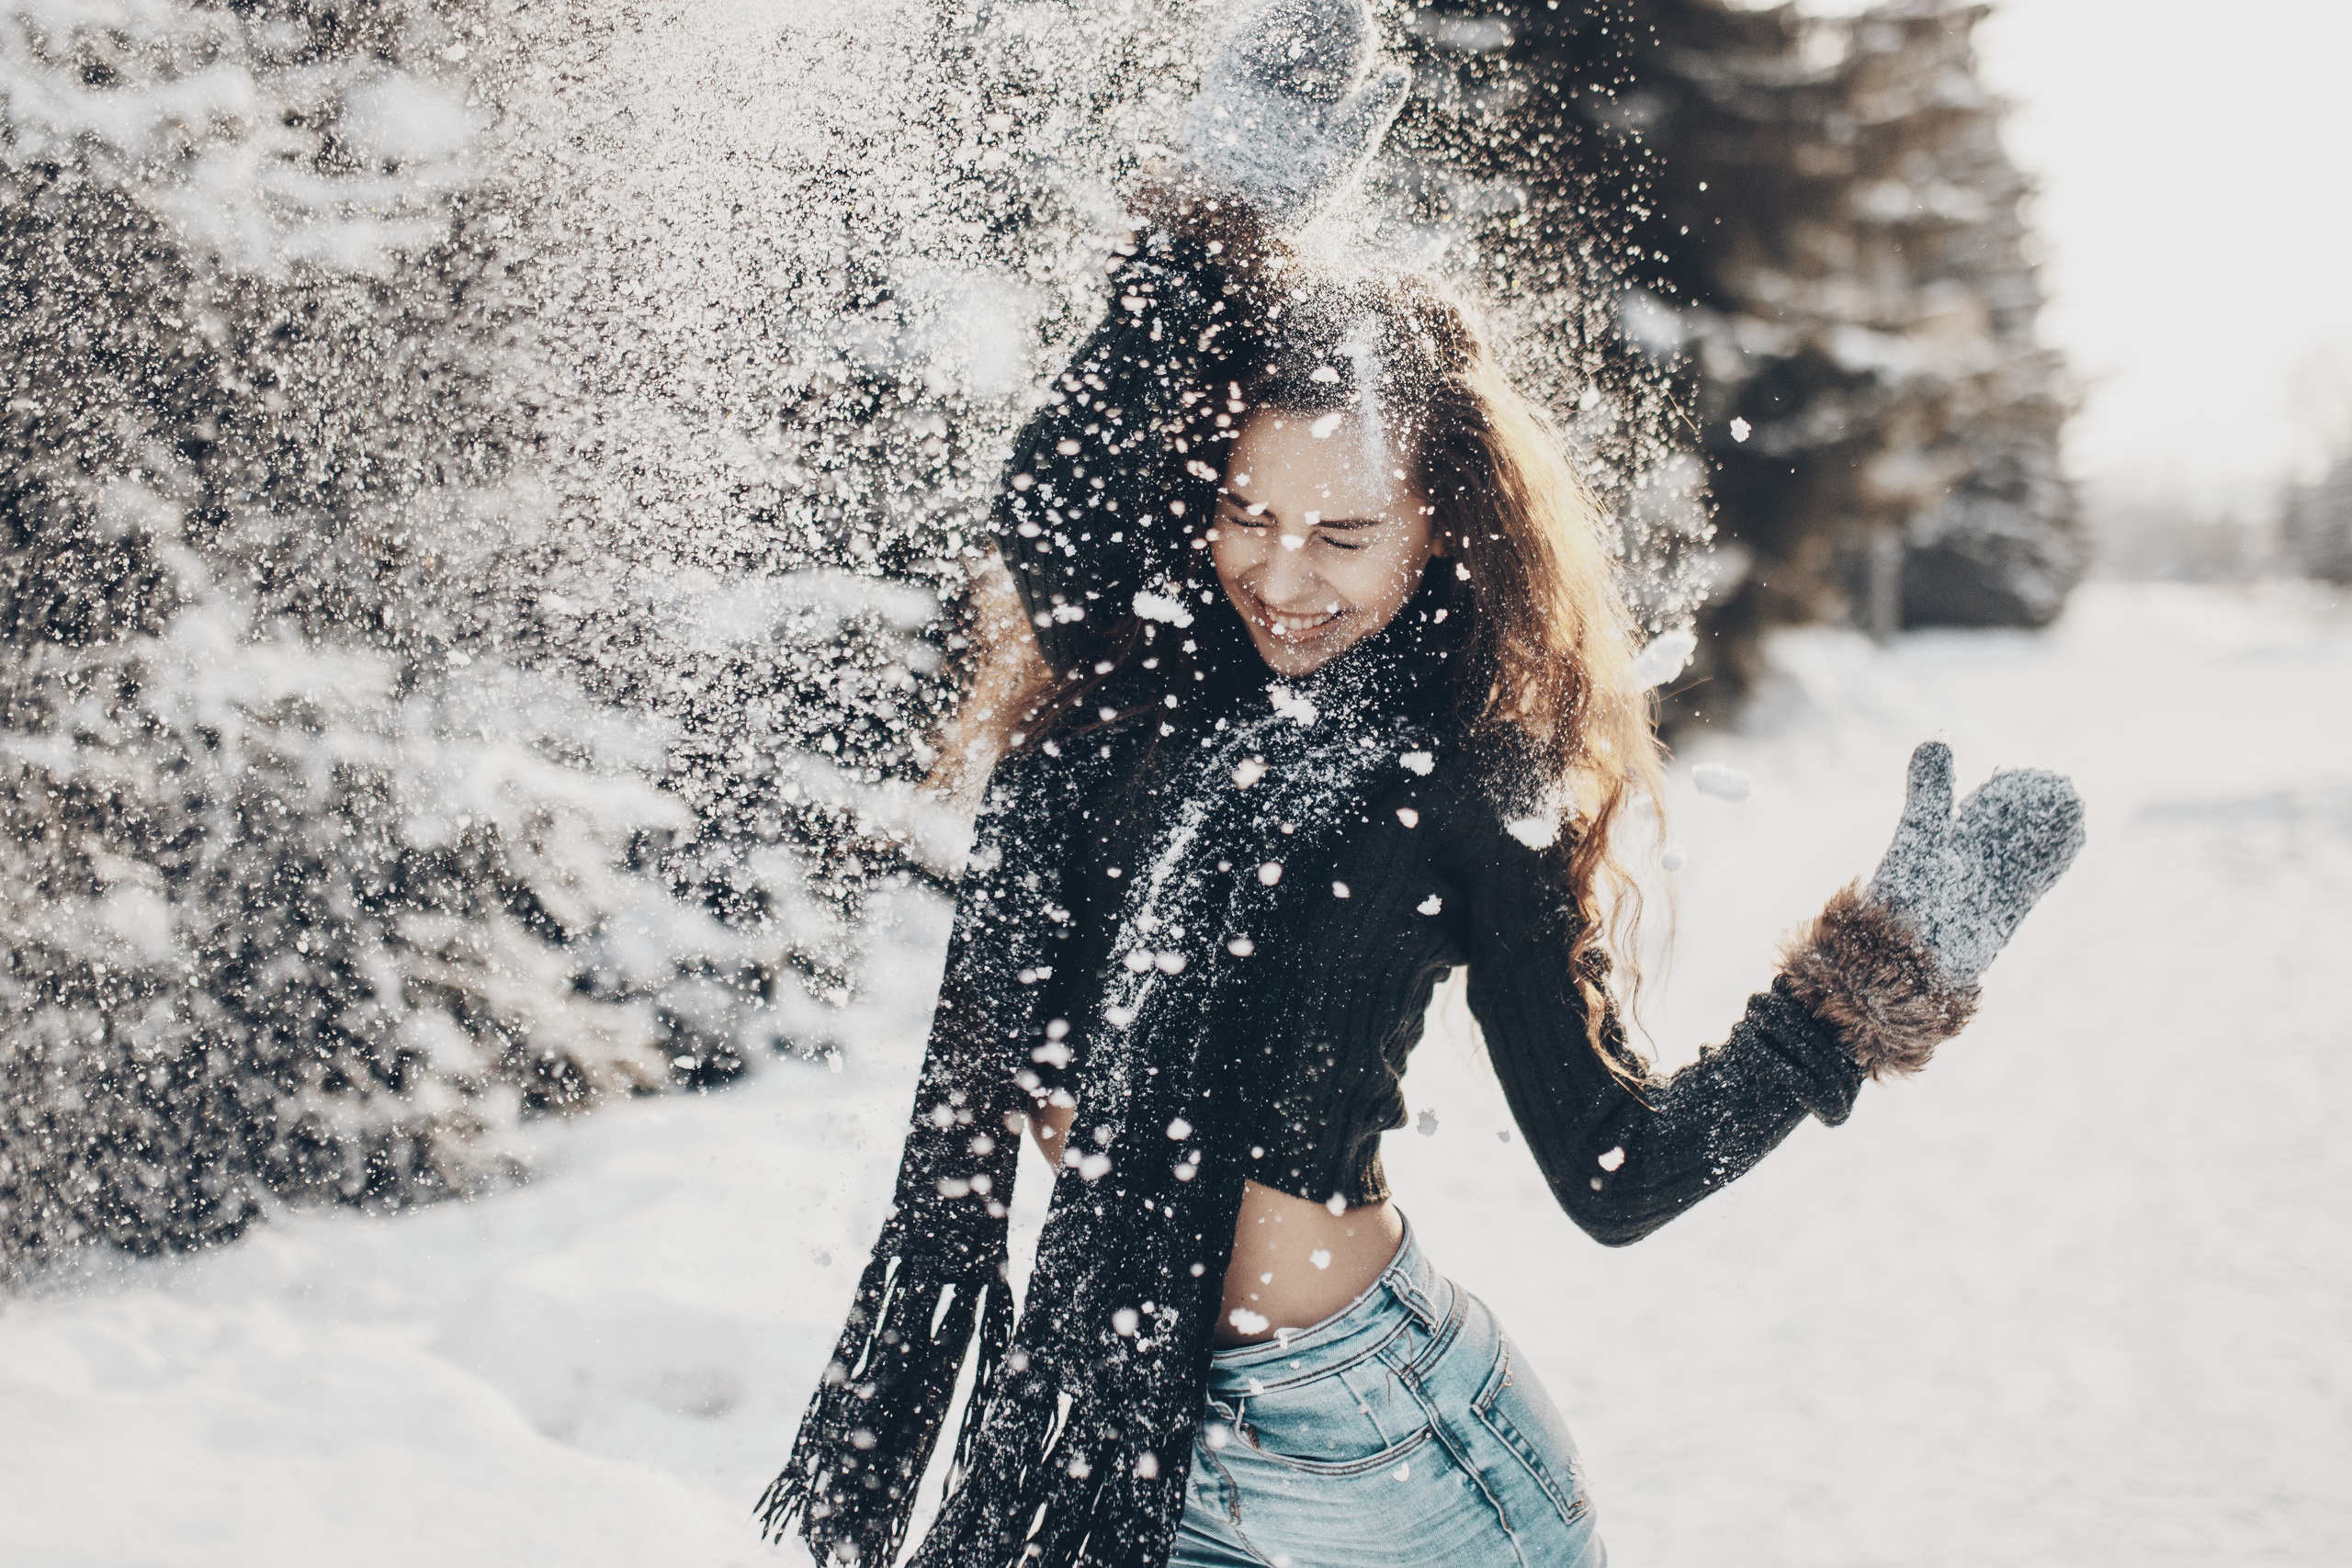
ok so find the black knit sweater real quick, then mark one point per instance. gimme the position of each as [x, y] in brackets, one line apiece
[1112, 478]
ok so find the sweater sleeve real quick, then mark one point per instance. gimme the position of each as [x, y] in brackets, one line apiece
[1119, 465]
[1625, 1152]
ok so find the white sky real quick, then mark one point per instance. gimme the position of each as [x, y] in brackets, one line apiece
[2197, 215]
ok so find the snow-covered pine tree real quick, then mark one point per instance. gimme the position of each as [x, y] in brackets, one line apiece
[1519, 166]
[297, 847]
[1860, 292]
[1820, 238]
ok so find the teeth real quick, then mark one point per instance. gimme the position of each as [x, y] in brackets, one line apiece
[1293, 626]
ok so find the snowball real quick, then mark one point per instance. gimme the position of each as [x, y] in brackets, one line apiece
[1741, 430]
[1665, 657]
[1613, 1158]
[1723, 783]
[1407, 815]
[1179, 1129]
[1241, 946]
[1418, 762]
[1162, 608]
[1124, 1320]
[1321, 1258]
[1430, 905]
[1327, 424]
[1247, 1322]
[1249, 771]
[1292, 707]
[1535, 832]
[1270, 873]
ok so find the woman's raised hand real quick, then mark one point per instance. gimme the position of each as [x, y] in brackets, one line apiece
[1285, 119]
[1964, 879]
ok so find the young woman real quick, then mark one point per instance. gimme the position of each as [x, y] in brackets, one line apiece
[1339, 699]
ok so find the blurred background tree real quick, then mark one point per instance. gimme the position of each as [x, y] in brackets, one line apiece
[1823, 247]
[2316, 529]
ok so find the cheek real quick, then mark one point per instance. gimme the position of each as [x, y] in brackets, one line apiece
[1384, 577]
[1233, 552]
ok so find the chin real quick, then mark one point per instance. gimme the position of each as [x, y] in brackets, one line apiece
[1303, 655]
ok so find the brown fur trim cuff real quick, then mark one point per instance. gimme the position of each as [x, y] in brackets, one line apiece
[1863, 972]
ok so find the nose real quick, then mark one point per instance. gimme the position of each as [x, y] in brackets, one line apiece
[1284, 580]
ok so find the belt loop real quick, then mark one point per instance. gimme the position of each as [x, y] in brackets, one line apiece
[1409, 1294]
[1405, 1276]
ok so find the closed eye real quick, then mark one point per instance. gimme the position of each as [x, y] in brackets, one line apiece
[1333, 533]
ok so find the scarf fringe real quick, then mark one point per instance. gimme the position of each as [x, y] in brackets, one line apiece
[1070, 1495]
[869, 1430]
[996, 1336]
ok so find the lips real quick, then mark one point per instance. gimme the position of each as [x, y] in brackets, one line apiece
[1288, 624]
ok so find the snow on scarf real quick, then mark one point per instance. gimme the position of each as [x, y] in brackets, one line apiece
[1074, 1447]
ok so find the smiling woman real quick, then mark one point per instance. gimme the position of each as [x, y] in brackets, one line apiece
[1277, 777]
[1315, 545]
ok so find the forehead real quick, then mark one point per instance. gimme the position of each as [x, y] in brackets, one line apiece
[1281, 461]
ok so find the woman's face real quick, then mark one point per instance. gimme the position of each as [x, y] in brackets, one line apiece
[1318, 540]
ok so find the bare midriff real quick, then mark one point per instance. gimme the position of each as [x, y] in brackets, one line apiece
[1295, 1262]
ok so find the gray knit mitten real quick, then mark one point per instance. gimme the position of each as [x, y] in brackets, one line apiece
[1281, 120]
[1893, 966]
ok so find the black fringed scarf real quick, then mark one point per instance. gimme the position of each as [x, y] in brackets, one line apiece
[1074, 1447]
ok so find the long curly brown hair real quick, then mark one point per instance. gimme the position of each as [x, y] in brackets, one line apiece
[1547, 664]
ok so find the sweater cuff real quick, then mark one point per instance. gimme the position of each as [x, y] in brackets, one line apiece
[1861, 970]
[1815, 1061]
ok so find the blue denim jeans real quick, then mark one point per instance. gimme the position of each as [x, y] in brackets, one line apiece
[1405, 1429]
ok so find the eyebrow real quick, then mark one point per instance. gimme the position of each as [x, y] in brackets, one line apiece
[1343, 525]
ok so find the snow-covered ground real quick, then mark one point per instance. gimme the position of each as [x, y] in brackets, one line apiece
[2081, 1295]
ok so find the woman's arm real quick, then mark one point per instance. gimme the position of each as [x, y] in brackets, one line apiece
[1626, 1151]
[1108, 475]
[1623, 1157]
[1883, 974]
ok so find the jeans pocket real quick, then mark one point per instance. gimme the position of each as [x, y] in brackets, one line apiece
[1394, 1457]
[1337, 1425]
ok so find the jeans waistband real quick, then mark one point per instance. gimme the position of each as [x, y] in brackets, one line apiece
[1408, 1287]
